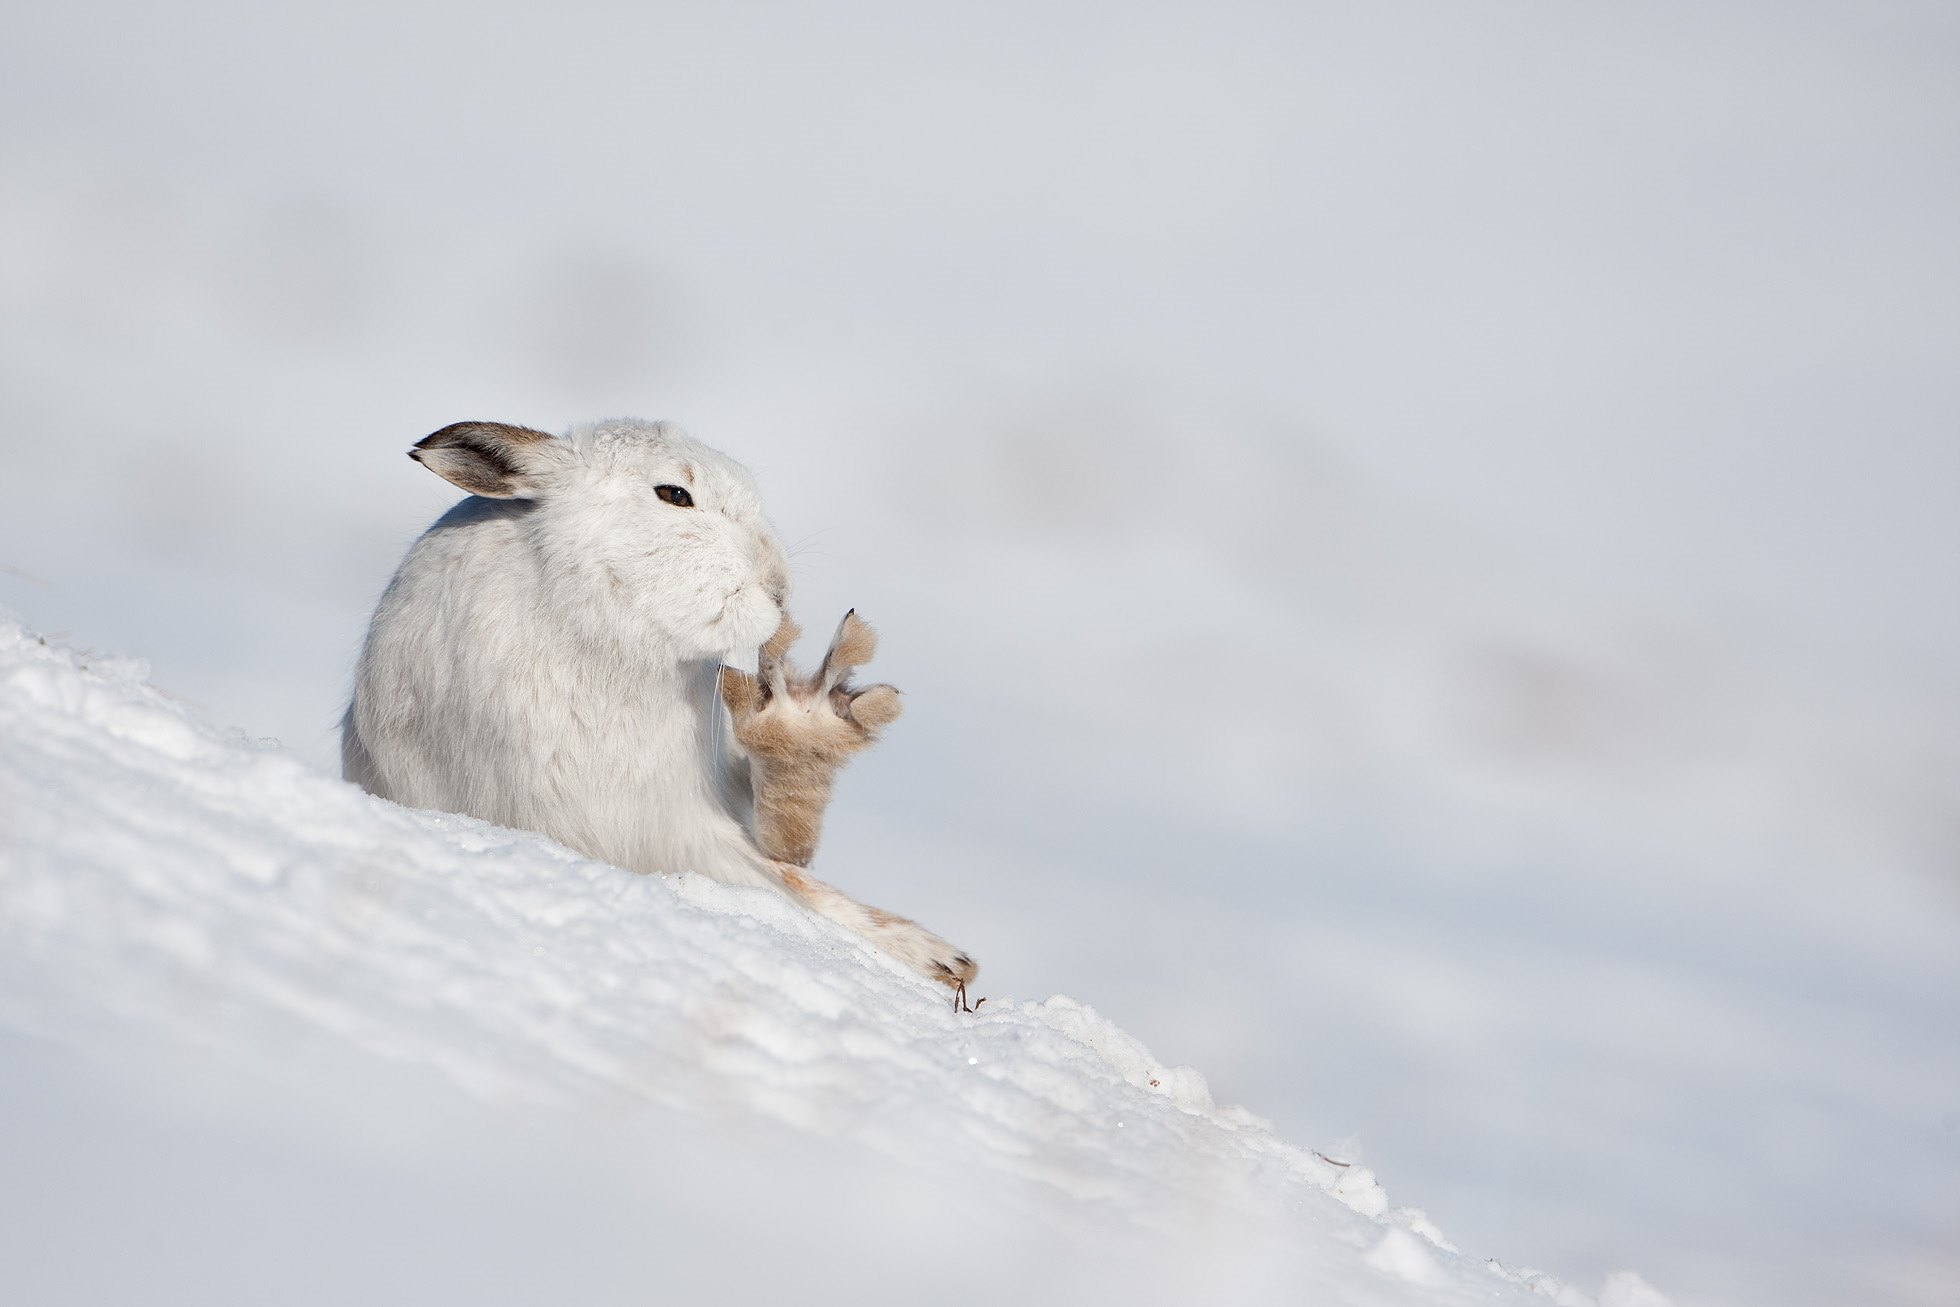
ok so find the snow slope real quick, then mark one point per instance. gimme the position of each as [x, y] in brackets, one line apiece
[258, 1028]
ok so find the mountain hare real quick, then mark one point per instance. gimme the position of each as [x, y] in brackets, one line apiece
[547, 655]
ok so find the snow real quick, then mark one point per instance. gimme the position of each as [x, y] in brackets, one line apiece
[372, 1017]
[1402, 1255]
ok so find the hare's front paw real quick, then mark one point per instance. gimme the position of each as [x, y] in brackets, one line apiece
[784, 716]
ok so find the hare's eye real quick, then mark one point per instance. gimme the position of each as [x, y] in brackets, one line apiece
[675, 495]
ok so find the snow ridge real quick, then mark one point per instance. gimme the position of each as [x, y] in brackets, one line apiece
[211, 891]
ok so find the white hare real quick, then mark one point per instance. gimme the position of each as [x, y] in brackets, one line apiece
[546, 658]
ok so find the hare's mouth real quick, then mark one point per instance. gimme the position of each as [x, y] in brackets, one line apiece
[741, 607]
[774, 595]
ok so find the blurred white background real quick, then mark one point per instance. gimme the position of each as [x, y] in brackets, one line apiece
[1422, 539]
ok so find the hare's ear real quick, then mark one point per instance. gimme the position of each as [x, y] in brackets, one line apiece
[487, 458]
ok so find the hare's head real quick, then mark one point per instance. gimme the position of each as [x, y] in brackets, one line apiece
[634, 521]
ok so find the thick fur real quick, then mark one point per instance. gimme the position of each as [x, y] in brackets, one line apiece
[799, 731]
[546, 658]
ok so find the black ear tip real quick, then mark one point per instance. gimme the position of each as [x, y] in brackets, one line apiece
[455, 433]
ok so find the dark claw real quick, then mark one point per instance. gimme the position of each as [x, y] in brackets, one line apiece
[959, 999]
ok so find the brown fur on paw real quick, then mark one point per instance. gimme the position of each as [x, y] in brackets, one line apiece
[800, 730]
[854, 645]
[778, 647]
[873, 708]
[818, 719]
[740, 692]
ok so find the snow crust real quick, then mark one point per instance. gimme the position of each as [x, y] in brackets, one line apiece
[235, 990]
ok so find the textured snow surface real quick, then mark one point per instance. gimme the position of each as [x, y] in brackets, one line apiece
[261, 1034]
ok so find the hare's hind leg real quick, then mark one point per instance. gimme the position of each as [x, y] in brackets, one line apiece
[798, 732]
[908, 941]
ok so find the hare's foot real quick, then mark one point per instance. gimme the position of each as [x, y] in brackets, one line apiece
[908, 941]
[924, 952]
[813, 722]
[799, 731]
